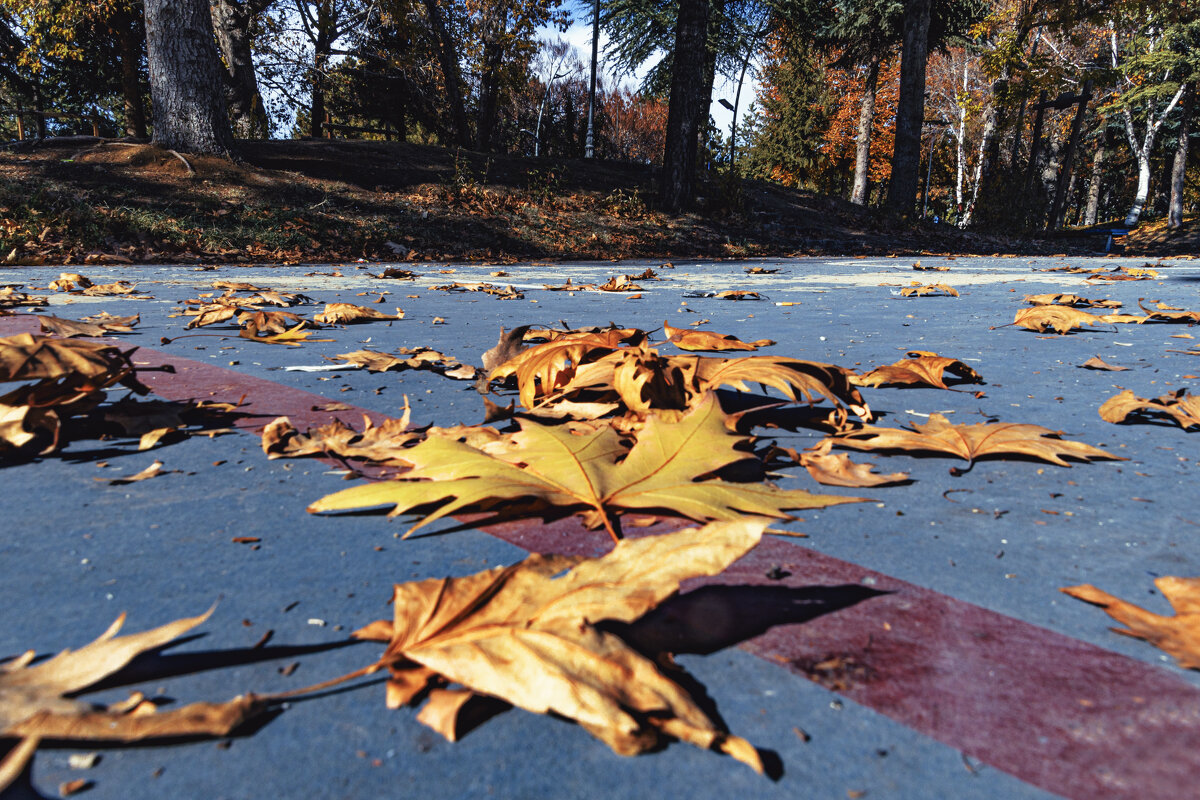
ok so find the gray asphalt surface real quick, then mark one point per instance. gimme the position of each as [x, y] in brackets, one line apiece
[1005, 535]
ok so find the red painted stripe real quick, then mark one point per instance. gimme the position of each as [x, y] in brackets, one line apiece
[1064, 715]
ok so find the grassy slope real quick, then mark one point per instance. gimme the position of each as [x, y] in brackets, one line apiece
[79, 201]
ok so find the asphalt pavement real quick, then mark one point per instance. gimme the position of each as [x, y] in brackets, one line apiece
[997, 685]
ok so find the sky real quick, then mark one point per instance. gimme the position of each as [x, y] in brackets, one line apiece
[579, 35]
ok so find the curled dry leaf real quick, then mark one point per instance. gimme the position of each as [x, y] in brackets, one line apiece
[592, 471]
[34, 702]
[709, 340]
[69, 282]
[921, 367]
[11, 298]
[504, 293]
[521, 634]
[348, 313]
[1064, 319]
[928, 290]
[971, 442]
[210, 314]
[384, 443]
[1165, 313]
[417, 358]
[1178, 635]
[1069, 300]
[119, 288]
[836, 469]
[622, 283]
[1179, 405]
[68, 328]
[542, 368]
[151, 471]
[235, 286]
[271, 323]
[1096, 362]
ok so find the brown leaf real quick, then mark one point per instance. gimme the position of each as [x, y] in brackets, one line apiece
[384, 443]
[590, 471]
[1170, 314]
[110, 289]
[27, 357]
[69, 282]
[1069, 300]
[623, 283]
[1064, 319]
[971, 442]
[211, 314]
[270, 323]
[425, 358]
[234, 286]
[67, 328]
[151, 471]
[929, 290]
[1179, 405]
[709, 340]
[523, 635]
[1178, 635]
[36, 702]
[920, 367]
[348, 313]
[836, 469]
[1096, 362]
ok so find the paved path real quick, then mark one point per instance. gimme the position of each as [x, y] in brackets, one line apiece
[919, 647]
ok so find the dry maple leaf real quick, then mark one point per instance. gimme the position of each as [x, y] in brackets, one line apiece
[271, 322]
[110, 289]
[709, 340]
[1167, 313]
[1064, 319]
[68, 328]
[425, 358]
[930, 290]
[521, 634]
[971, 442]
[1096, 362]
[1179, 405]
[34, 704]
[592, 471]
[623, 283]
[542, 368]
[1069, 300]
[920, 367]
[1178, 635]
[383, 443]
[836, 469]
[11, 298]
[69, 281]
[28, 357]
[347, 313]
[235, 286]
[210, 314]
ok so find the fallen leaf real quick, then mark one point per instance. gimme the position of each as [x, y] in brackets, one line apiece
[211, 314]
[1179, 405]
[67, 328]
[149, 472]
[1064, 319]
[592, 471]
[69, 282]
[1069, 300]
[623, 283]
[521, 634]
[1169, 314]
[836, 469]
[151, 438]
[1177, 635]
[118, 288]
[348, 313]
[384, 443]
[929, 290]
[235, 286]
[37, 702]
[425, 358]
[1096, 362]
[760, 271]
[709, 340]
[971, 442]
[921, 367]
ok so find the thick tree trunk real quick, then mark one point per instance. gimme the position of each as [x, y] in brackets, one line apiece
[686, 105]
[185, 78]
[910, 109]
[489, 78]
[1143, 189]
[131, 38]
[1059, 206]
[985, 164]
[1179, 165]
[1092, 210]
[862, 141]
[231, 24]
[451, 74]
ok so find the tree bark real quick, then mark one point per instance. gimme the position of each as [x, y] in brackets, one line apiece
[686, 105]
[862, 141]
[131, 38]
[185, 78]
[448, 60]
[231, 24]
[489, 77]
[1179, 167]
[1059, 206]
[1092, 210]
[910, 109]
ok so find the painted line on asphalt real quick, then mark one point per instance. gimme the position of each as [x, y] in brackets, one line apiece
[1061, 714]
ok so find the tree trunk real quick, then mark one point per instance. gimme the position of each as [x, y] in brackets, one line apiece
[1179, 166]
[323, 32]
[185, 78]
[910, 109]
[131, 38]
[231, 24]
[1058, 208]
[862, 141]
[985, 164]
[1143, 189]
[448, 60]
[686, 105]
[1092, 210]
[489, 77]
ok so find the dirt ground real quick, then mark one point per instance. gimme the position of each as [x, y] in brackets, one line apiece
[86, 200]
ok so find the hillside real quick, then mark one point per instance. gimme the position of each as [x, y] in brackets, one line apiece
[88, 200]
